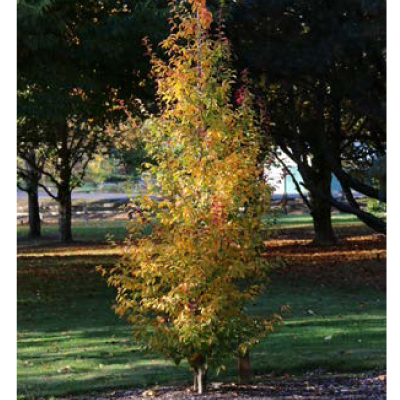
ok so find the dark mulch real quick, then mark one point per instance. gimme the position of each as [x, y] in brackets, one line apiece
[313, 387]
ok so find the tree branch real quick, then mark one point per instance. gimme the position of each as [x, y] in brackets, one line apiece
[39, 169]
[297, 185]
[24, 189]
[370, 220]
[53, 196]
[344, 178]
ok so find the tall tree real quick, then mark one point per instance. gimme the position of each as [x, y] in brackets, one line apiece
[320, 70]
[28, 181]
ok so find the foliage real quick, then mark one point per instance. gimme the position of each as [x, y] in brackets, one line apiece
[101, 168]
[320, 70]
[75, 59]
[185, 287]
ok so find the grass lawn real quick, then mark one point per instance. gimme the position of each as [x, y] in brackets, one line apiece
[305, 220]
[100, 230]
[70, 341]
[93, 231]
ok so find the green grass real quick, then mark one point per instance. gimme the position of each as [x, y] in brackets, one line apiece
[305, 220]
[70, 341]
[99, 230]
[335, 329]
[94, 231]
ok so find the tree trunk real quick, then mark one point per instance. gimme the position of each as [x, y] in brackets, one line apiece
[199, 366]
[34, 215]
[32, 178]
[65, 215]
[321, 210]
[200, 379]
[244, 368]
[64, 189]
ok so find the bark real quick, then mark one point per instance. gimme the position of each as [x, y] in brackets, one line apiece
[65, 214]
[318, 180]
[321, 214]
[200, 379]
[199, 366]
[244, 368]
[34, 215]
[321, 210]
[65, 189]
[32, 177]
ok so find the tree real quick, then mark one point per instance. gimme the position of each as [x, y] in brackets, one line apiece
[320, 71]
[71, 64]
[185, 287]
[67, 140]
[28, 181]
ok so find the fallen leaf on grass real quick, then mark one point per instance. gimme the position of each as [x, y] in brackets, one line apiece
[64, 370]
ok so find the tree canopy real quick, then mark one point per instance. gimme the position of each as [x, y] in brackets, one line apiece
[320, 69]
[78, 61]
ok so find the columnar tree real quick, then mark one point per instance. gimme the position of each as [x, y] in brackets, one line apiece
[185, 286]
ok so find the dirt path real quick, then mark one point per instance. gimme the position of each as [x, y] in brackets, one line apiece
[361, 387]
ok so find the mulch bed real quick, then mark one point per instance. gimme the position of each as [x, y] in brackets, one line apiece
[313, 387]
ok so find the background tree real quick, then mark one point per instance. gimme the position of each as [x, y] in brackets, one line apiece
[192, 277]
[72, 61]
[320, 71]
[28, 179]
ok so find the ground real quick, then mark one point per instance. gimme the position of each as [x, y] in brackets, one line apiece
[71, 344]
[311, 387]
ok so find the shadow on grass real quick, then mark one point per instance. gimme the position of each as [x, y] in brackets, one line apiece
[70, 341]
[102, 379]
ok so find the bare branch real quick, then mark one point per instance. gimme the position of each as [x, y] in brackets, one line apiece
[20, 187]
[53, 196]
[369, 219]
[40, 169]
[296, 183]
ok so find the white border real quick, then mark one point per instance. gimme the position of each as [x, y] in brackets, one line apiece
[393, 300]
[8, 240]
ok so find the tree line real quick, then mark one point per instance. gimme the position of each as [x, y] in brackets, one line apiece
[317, 71]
